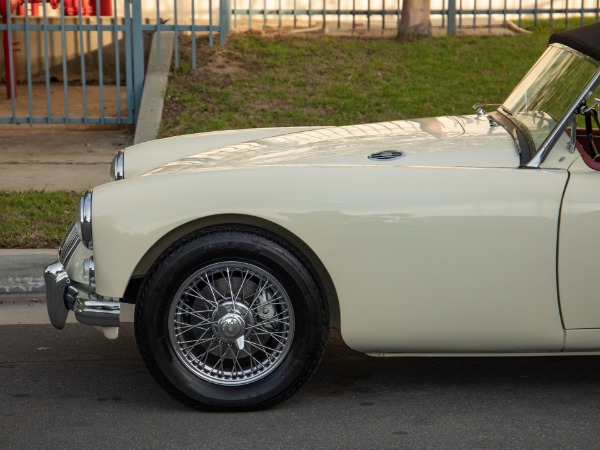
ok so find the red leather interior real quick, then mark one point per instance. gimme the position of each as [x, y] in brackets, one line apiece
[584, 147]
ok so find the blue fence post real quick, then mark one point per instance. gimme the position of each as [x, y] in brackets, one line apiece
[137, 44]
[224, 20]
[451, 17]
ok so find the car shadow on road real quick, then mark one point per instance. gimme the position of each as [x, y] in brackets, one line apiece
[78, 361]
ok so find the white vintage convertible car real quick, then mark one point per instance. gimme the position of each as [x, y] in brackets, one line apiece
[467, 235]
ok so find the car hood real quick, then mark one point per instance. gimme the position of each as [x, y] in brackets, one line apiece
[460, 141]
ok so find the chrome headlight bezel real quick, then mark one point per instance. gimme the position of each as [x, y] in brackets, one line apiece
[117, 166]
[84, 219]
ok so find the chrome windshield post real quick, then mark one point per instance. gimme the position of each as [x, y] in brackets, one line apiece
[547, 145]
[573, 142]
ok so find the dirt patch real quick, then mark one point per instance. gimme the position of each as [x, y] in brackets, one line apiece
[225, 63]
[215, 61]
[217, 68]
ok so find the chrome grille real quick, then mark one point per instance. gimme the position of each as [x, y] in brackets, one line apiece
[69, 243]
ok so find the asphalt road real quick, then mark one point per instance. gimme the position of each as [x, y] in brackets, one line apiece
[75, 389]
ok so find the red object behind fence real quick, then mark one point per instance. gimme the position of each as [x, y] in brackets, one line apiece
[71, 8]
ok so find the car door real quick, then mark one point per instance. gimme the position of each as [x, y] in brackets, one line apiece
[579, 258]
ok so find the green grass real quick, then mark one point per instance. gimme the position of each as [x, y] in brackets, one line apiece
[35, 219]
[288, 81]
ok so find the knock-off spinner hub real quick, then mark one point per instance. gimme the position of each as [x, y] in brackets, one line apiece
[230, 321]
[231, 326]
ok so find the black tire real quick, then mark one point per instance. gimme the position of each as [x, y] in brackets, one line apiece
[230, 320]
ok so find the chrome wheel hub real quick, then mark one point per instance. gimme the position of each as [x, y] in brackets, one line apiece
[231, 323]
[231, 326]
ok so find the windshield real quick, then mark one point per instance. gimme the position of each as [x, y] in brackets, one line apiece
[549, 91]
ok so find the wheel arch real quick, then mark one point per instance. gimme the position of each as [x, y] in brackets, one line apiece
[251, 224]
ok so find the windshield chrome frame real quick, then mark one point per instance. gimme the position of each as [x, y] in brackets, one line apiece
[554, 135]
[545, 148]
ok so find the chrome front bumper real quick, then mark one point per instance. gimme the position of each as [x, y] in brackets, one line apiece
[89, 307]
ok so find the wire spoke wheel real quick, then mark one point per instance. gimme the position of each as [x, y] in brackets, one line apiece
[231, 323]
[230, 320]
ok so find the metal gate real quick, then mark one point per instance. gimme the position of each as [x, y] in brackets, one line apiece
[83, 61]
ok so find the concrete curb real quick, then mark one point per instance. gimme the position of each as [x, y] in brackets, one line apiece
[22, 271]
[516, 28]
[155, 84]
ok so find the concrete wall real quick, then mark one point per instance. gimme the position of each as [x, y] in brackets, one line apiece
[201, 10]
[388, 5]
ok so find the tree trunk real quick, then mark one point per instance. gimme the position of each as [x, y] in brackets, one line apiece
[415, 18]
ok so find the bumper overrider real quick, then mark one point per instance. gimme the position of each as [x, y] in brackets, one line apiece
[63, 296]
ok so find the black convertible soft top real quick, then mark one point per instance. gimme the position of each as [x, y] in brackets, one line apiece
[585, 39]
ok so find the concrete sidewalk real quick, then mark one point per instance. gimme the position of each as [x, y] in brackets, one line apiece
[56, 157]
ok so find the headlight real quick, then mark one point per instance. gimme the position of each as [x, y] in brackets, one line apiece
[117, 167]
[84, 219]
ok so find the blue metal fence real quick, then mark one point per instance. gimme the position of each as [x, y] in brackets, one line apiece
[452, 15]
[89, 69]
